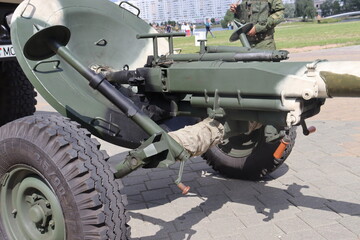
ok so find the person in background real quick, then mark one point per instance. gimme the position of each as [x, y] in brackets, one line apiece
[187, 30]
[265, 15]
[168, 28]
[208, 27]
[193, 29]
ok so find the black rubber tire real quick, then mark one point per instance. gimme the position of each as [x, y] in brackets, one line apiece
[255, 165]
[92, 206]
[17, 95]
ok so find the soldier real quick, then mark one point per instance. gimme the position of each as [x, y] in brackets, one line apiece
[265, 15]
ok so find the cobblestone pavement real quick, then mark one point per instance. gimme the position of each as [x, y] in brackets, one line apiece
[314, 195]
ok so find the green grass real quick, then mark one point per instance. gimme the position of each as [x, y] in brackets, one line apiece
[290, 35]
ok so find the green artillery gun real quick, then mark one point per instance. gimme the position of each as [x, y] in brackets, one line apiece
[108, 71]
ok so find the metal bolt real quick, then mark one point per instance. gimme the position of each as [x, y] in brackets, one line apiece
[34, 196]
[134, 161]
[14, 212]
[47, 204]
[52, 224]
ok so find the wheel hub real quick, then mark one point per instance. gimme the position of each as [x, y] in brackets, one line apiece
[31, 208]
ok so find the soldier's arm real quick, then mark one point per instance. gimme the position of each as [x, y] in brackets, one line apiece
[276, 16]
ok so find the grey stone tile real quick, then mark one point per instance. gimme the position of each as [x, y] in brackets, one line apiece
[156, 194]
[159, 183]
[319, 217]
[345, 208]
[274, 198]
[336, 232]
[265, 232]
[292, 225]
[309, 202]
[218, 228]
[303, 235]
[134, 189]
[352, 223]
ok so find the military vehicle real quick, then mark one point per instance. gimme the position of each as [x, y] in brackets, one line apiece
[108, 73]
[17, 95]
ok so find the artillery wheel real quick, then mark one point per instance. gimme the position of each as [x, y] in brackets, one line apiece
[56, 184]
[247, 156]
[17, 95]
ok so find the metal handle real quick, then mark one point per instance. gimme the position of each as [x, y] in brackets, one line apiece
[55, 68]
[131, 6]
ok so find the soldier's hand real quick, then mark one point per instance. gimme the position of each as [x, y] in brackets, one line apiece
[233, 7]
[252, 32]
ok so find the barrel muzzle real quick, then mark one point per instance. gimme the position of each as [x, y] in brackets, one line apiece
[342, 79]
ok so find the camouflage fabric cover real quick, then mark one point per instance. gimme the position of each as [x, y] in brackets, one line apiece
[198, 138]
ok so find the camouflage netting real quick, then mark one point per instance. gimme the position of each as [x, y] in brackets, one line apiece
[198, 138]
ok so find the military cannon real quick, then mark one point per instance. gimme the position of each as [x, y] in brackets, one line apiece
[110, 73]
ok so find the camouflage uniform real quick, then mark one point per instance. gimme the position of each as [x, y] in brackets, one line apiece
[265, 15]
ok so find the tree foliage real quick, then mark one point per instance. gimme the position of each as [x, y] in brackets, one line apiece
[332, 7]
[289, 11]
[351, 5]
[305, 9]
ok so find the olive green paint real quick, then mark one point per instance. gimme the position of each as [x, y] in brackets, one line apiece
[341, 85]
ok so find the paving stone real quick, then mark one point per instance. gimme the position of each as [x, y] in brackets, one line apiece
[274, 198]
[192, 221]
[240, 194]
[319, 217]
[223, 211]
[344, 178]
[160, 174]
[310, 174]
[269, 186]
[322, 183]
[148, 230]
[303, 235]
[201, 234]
[283, 170]
[344, 207]
[337, 193]
[156, 194]
[336, 232]
[131, 180]
[134, 189]
[159, 183]
[352, 223]
[246, 206]
[211, 190]
[254, 219]
[265, 232]
[235, 237]
[292, 225]
[218, 228]
[333, 168]
[309, 202]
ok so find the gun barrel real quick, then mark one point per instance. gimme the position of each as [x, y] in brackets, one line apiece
[342, 79]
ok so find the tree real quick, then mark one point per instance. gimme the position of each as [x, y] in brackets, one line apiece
[326, 8]
[289, 11]
[305, 9]
[351, 5]
[336, 7]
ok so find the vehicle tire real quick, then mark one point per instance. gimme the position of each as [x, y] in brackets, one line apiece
[56, 183]
[17, 95]
[247, 157]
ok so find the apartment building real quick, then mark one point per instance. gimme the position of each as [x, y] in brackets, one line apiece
[181, 10]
